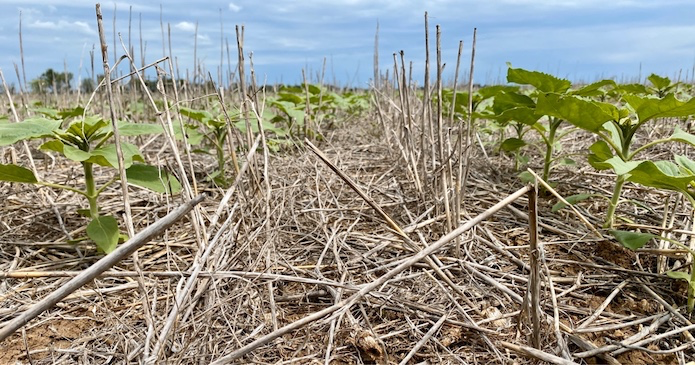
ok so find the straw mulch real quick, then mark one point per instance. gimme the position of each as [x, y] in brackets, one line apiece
[310, 242]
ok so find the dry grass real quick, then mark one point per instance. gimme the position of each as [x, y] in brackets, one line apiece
[299, 268]
[318, 243]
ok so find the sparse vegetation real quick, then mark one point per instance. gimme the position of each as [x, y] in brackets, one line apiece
[357, 226]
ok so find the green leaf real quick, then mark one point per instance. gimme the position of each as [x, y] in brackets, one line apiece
[11, 133]
[200, 115]
[487, 92]
[70, 113]
[510, 99]
[75, 153]
[632, 240]
[104, 232]
[541, 81]
[526, 177]
[637, 89]
[600, 152]
[106, 155]
[14, 173]
[678, 275]
[193, 134]
[49, 112]
[138, 129]
[660, 83]
[153, 178]
[593, 89]
[661, 175]
[584, 114]
[70, 152]
[292, 98]
[88, 129]
[512, 144]
[621, 167]
[651, 108]
[680, 135]
[685, 163]
[572, 199]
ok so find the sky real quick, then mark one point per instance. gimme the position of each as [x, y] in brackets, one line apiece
[582, 40]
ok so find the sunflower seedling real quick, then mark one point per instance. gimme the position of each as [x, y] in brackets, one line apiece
[87, 140]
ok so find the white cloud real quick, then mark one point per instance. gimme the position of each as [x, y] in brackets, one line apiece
[185, 26]
[234, 7]
[82, 27]
[204, 39]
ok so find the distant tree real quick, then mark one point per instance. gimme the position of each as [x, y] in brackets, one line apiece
[51, 81]
[87, 86]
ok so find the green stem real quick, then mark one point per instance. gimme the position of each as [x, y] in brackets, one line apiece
[549, 146]
[644, 147]
[691, 290]
[90, 189]
[220, 153]
[610, 220]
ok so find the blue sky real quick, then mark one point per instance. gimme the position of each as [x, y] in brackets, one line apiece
[578, 39]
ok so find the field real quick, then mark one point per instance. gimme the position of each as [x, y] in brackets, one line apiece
[181, 221]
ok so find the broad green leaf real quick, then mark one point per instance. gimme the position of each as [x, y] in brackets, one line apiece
[584, 114]
[659, 83]
[632, 240]
[11, 133]
[14, 173]
[200, 115]
[70, 152]
[638, 89]
[600, 152]
[292, 98]
[512, 144]
[541, 81]
[661, 175]
[106, 155]
[593, 89]
[193, 135]
[291, 89]
[71, 113]
[567, 161]
[49, 112]
[75, 153]
[527, 178]
[138, 129]
[521, 115]
[680, 135]
[104, 232]
[313, 89]
[487, 92]
[650, 108]
[616, 163]
[572, 199]
[507, 100]
[685, 163]
[153, 178]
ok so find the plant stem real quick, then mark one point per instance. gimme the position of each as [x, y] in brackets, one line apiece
[219, 146]
[691, 282]
[610, 220]
[549, 146]
[90, 189]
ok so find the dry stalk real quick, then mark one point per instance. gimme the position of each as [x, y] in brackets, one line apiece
[345, 304]
[100, 266]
